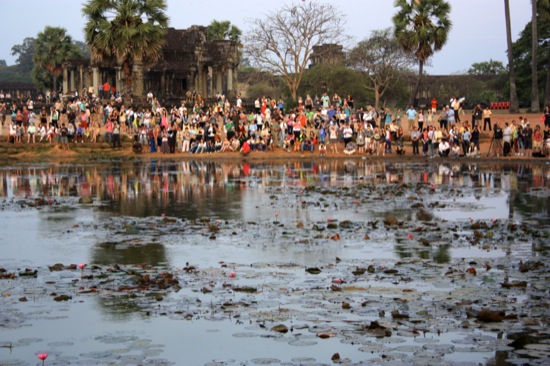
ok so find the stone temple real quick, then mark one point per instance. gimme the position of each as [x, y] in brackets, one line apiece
[189, 64]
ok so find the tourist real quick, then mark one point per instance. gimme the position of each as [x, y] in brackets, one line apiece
[172, 136]
[444, 148]
[497, 140]
[64, 134]
[421, 117]
[473, 151]
[546, 116]
[116, 136]
[466, 137]
[455, 151]
[507, 140]
[360, 139]
[537, 140]
[527, 139]
[245, 148]
[350, 148]
[411, 118]
[43, 133]
[415, 140]
[322, 149]
[388, 140]
[487, 118]
[109, 131]
[476, 115]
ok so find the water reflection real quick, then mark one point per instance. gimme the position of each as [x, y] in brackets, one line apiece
[108, 253]
[192, 189]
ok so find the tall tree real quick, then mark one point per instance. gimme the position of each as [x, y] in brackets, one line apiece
[490, 67]
[514, 104]
[284, 41]
[53, 46]
[544, 10]
[535, 102]
[382, 60]
[130, 33]
[223, 30]
[422, 28]
[25, 53]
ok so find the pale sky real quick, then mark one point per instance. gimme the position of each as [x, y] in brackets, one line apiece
[478, 32]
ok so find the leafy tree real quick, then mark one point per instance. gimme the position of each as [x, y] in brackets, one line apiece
[544, 18]
[334, 78]
[3, 63]
[522, 59]
[53, 47]
[422, 28]
[25, 53]
[83, 48]
[490, 67]
[223, 30]
[381, 60]
[283, 42]
[130, 33]
[514, 104]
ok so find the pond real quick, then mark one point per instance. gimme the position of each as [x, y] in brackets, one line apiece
[291, 263]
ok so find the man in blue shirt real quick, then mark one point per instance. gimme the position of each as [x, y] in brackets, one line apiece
[411, 118]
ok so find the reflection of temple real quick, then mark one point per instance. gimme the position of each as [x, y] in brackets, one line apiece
[189, 62]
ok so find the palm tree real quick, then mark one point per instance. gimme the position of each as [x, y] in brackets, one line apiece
[223, 30]
[535, 103]
[514, 105]
[130, 33]
[421, 28]
[52, 47]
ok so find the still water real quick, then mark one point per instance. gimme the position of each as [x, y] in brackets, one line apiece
[253, 200]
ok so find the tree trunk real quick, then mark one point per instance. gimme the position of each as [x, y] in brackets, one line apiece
[137, 78]
[535, 103]
[417, 87]
[547, 89]
[514, 104]
[376, 97]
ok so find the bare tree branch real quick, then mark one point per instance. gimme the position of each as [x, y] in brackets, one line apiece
[283, 42]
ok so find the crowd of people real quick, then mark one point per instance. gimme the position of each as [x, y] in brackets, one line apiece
[323, 124]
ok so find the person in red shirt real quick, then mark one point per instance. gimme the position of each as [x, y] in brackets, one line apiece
[245, 149]
[105, 91]
[434, 105]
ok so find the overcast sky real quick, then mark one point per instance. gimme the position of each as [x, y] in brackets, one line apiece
[478, 32]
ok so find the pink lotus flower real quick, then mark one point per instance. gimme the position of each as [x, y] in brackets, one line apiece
[276, 215]
[493, 220]
[471, 219]
[382, 266]
[232, 274]
[81, 266]
[42, 356]
[410, 236]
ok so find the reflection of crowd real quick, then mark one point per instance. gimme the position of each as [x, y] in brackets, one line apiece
[188, 181]
[325, 124]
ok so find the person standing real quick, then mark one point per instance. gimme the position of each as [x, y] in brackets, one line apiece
[411, 118]
[476, 115]
[434, 105]
[455, 106]
[487, 118]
